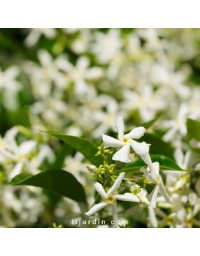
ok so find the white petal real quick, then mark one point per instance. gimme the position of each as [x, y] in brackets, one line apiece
[152, 217]
[122, 155]
[163, 191]
[156, 167]
[116, 184]
[187, 159]
[119, 123]
[146, 158]
[153, 196]
[143, 199]
[152, 178]
[82, 63]
[10, 134]
[17, 170]
[99, 188]
[44, 57]
[183, 110]
[178, 155]
[195, 210]
[49, 32]
[114, 214]
[139, 148]
[169, 134]
[32, 38]
[146, 172]
[94, 73]
[136, 133]
[183, 129]
[111, 142]
[127, 197]
[26, 147]
[30, 167]
[181, 214]
[9, 155]
[96, 208]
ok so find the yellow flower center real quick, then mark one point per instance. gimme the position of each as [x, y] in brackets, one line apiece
[141, 103]
[158, 180]
[189, 222]
[169, 221]
[22, 158]
[2, 144]
[178, 122]
[110, 199]
[125, 140]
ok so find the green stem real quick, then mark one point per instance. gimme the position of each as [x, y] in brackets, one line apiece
[125, 179]
[115, 166]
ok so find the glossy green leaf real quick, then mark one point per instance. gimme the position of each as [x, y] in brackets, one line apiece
[58, 181]
[193, 129]
[87, 148]
[165, 164]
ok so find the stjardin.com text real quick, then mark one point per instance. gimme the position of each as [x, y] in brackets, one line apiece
[81, 222]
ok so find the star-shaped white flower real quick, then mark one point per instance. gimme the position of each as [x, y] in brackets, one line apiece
[19, 155]
[125, 141]
[153, 175]
[110, 197]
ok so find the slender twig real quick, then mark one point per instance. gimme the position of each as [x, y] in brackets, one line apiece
[115, 166]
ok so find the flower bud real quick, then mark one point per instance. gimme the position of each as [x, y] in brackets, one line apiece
[91, 168]
[100, 178]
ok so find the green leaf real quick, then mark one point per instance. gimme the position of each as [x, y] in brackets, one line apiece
[87, 148]
[158, 146]
[165, 164]
[58, 181]
[150, 123]
[193, 129]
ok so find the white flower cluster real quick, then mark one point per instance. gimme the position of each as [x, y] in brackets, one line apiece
[151, 173]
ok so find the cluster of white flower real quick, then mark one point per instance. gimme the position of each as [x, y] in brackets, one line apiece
[151, 173]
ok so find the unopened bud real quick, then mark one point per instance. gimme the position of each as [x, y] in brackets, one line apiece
[102, 149]
[98, 153]
[100, 178]
[91, 168]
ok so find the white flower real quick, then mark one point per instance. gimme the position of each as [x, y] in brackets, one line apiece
[75, 166]
[177, 125]
[8, 79]
[125, 141]
[35, 34]
[185, 161]
[188, 219]
[8, 143]
[110, 197]
[153, 175]
[106, 45]
[147, 101]
[20, 156]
